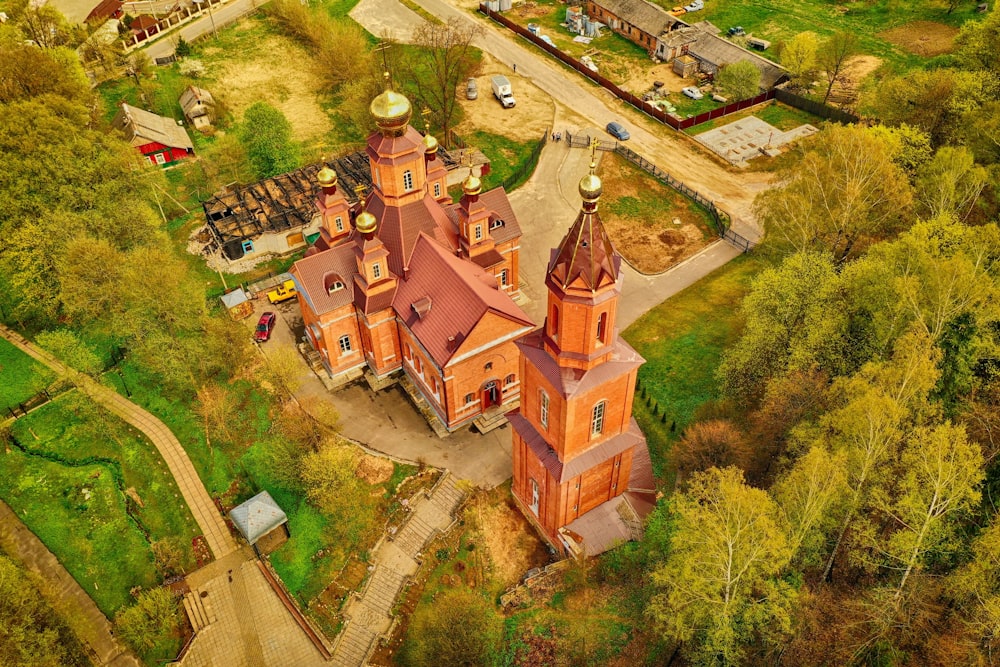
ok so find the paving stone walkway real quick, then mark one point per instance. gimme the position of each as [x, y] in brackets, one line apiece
[210, 522]
[65, 595]
[369, 614]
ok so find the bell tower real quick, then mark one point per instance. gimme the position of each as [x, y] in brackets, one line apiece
[574, 439]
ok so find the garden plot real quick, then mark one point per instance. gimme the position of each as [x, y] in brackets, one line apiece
[750, 137]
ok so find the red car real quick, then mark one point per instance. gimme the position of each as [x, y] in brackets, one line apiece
[264, 327]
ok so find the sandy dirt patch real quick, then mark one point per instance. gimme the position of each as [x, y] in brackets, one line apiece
[279, 75]
[654, 245]
[845, 91]
[924, 38]
[641, 79]
[373, 469]
[513, 546]
[525, 121]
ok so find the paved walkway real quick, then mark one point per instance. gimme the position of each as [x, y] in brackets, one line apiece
[209, 520]
[239, 621]
[369, 615]
[66, 596]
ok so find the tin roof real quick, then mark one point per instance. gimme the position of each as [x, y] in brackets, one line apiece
[315, 274]
[257, 517]
[645, 16]
[460, 294]
[570, 381]
[586, 257]
[143, 127]
[234, 298]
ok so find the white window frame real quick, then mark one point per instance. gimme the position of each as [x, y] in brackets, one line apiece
[597, 418]
[377, 270]
[345, 344]
[479, 232]
[339, 223]
[503, 277]
[407, 180]
[437, 190]
[543, 409]
[160, 158]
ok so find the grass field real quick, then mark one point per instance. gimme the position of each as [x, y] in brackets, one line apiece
[97, 494]
[777, 114]
[22, 376]
[682, 340]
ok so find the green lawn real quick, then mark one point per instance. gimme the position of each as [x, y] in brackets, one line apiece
[22, 376]
[777, 114]
[97, 494]
[682, 340]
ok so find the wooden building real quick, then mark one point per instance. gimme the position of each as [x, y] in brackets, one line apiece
[582, 472]
[160, 139]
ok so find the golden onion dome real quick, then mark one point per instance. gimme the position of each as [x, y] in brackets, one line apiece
[391, 111]
[590, 186]
[472, 185]
[366, 222]
[326, 177]
[430, 144]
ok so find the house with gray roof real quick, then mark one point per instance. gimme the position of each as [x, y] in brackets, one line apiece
[258, 517]
[637, 20]
[703, 42]
[160, 139]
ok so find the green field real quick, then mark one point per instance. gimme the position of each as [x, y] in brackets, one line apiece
[21, 377]
[97, 494]
[682, 341]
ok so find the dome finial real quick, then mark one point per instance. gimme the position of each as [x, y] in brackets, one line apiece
[590, 185]
[391, 111]
[365, 222]
[430, 143]
[472, 186]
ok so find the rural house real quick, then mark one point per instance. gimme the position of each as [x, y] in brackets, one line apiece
[582, 471]
[198, 107]
[410, 286]
[703, 42]
[637, 20]
[158, 138]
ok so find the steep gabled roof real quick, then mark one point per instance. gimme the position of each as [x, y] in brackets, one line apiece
[400, 227]
[312, 274]
[460, 295]
[143, 127]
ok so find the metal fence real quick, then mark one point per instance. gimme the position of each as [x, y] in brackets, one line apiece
[525, 170]
[814, 107]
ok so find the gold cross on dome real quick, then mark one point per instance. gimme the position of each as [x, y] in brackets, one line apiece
[426, 113]
[359, 191]
[594, 143]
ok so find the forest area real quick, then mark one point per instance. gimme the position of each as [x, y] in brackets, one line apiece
[834, 505]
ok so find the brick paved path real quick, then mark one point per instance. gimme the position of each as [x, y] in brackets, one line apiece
[369, 614]
[66, 596]
[205, 513]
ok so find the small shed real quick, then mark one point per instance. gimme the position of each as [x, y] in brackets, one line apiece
[258, 521]
[237, 303]
[685, 66]
[198, 106]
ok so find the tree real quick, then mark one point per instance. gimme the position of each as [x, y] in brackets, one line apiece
[950, 183]
[183, 48]
[267, 137]
[153, 618]
[739, 80]
[799, 56]
[27, 72]
[718, 587]
[463, 629]
[713, 443]
[845, 191]
[833, 54]
[446, 59]
[333, 487]
[66, 346]
[976, 588]
[45, 25]
[910, 146]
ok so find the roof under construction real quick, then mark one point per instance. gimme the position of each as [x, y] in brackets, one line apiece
[282, 203]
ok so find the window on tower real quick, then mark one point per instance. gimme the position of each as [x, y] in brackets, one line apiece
[339, 223]
[543, 409]
[554, 323]
[479, 232]
[602, 326]
[407, 180]
[504, 279]
[437, 190]
[377, 270]
[345, 343]
[597, 419]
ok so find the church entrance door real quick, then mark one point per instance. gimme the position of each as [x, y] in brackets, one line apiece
[491, 394]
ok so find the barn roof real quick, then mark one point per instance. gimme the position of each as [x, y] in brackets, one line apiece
[718, 51]
[257, 517]
[193, 97]
[645, 16]
[143, 127]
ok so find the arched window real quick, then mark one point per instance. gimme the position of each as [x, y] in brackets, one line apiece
[469, 398]
[597, 419]
[543, 409]
[509, 379]
[345, 343]
[554, 322]
[602, 326]
[488, 366]
[437, 190]
[407, 180]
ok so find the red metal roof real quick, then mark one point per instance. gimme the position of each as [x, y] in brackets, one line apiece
[105, 10]
[400, 227]
[586, 258]
[311, 271]
[461, 295]
[569, 381]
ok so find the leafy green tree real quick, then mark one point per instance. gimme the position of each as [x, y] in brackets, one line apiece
[739, 81]
[331, 484]
[799, 56]
[27, 72]
[462, 629]
[910, 146]
[845, 192]
[975, 587]
[950, 183]
[68, 348]
[152, 620]
[266, 136]
[718, 586]
[976, 44]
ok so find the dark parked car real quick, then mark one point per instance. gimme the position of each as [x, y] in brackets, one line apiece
[264, 326]
[617, 131]
[737, 31]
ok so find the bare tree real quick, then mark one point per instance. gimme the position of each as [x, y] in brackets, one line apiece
[444, 61]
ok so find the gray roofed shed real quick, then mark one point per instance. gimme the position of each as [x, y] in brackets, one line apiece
[257, 517]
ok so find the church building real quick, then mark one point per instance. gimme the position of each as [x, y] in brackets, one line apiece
[410, 282]
[582, 472]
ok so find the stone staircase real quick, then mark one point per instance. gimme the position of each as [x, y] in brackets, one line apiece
[495, 417]
[199, 611]
[369, 614]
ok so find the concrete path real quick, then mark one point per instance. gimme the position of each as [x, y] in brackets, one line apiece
[369, 615]
[209, 520]
[63, 593]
